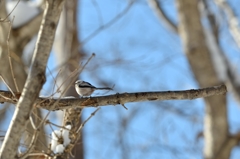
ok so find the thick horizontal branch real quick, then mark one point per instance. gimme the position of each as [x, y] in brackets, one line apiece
[65, 103]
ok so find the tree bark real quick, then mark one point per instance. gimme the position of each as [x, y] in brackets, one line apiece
[115, 99]
[199, 57]
[35, 80]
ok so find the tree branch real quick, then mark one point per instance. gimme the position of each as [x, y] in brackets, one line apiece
[226, 149]
[191, 31]
[35, 80]
[232, 20]
[156, 6]
[66, 103]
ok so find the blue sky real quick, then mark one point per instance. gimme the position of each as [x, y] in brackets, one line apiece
[138, 53]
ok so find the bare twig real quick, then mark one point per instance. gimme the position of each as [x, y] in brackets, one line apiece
[31, 145]
[3, 20]
[54, 79]
[76, 72]
[124, 107]
[92, 114]
[39, 155]
[98, 10]
[120, 15]
[232, 20]
[7, 85]
[48, 122]
[33, 124]
[77, 133]
[5, 97]
[34, 137]
[9, 56]
[156, 6]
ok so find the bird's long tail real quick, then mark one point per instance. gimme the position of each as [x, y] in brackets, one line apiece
[104, 88]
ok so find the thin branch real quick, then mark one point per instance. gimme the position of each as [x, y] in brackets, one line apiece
[39, 155]
[115, 99]
[48, 122]
[35, 135]
[32, 144]
[211, 18]
[3, 20]
[98, 10]
[32, 123]
[156, 6]
[5, 98]
[83, 124]
[115, 19]
[77, 133]
[9, 56]
[74, 74]
[232, 20]
[124, 107]
[29, 29]
[7, 85]
[55, 82]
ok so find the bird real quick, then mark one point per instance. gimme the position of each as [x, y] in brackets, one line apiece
[86, 89]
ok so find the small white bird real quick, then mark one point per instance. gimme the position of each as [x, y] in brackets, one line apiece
[86, 89]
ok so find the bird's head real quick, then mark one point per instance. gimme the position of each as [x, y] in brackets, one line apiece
[78, 82]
